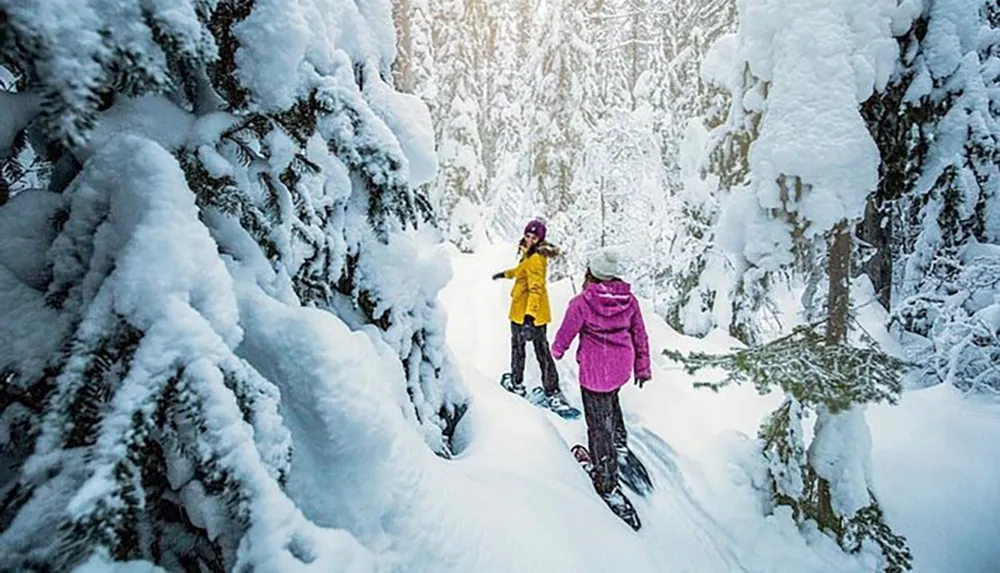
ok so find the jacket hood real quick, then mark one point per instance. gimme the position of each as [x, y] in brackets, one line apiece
[609, 298]
[547, 250]
[544, 248]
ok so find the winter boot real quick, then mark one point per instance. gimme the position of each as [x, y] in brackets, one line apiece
[621, 448]
[632, 472]
[622, 507]
[615, 500]
[558, 404]
[508, 384]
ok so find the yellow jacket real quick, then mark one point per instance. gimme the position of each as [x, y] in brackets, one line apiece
[529, 294]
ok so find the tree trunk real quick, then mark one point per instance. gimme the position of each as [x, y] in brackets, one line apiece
[839, 297]
[876, 230]
[402, 67]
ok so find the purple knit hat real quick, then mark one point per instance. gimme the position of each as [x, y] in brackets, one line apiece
[536, 228]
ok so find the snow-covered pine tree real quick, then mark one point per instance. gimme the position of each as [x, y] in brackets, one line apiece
[510, 203]
[812, 165]
[684, 95]
[695, 105]
[611, 36]
[564, 95]
[728, 159]
[202, 151]
[695, 271]
[403, 16]
[616, 199]
[457, 37]
[934, 223]
[503, 121]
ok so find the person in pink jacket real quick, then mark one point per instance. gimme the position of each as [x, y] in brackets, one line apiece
[613, 348]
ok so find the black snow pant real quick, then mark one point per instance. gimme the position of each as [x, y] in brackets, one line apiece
[550, 377]
[605, 430]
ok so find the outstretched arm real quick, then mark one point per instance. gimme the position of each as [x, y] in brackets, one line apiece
[570, 327]
[512, 273]
[640, 342]
[509, 273]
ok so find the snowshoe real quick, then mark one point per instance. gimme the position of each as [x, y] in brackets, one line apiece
[631, 471]
[507, 383]
[583, 458]
[615, 500]
[556, 402]
[622, 507]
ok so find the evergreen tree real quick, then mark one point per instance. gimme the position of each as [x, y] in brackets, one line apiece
[504, 111]
[194, 160]
[458, 42]
[929, 225]
[811, 166]
[564, 89]
[698, 145]
[616, 200]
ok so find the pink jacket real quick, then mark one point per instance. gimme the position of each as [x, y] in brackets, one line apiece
[613, 341]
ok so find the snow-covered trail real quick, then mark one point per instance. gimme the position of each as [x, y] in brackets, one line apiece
[359, 465]
[514, 499]
[705, 513]
[678, 432]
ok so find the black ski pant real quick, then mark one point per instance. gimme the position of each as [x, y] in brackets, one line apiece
[605, 430]
[550, 377]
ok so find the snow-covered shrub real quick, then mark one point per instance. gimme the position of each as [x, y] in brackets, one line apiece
[953, 330]
[466, 229]
[202, 152]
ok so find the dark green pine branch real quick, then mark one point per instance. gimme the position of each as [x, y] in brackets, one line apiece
[805, 366]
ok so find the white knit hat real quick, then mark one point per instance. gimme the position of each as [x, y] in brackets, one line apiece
[605, 264]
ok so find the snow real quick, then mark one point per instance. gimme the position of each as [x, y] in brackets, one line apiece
[707, 513]
[27, 322]
[28, 231]
[952, 32]
[287, 49]
[841, 453]
[478, 513]
[410, 121]
[813, 163]
[820, 64]
[18, 110]
[928, 452]
[704, 516]
[718, 67]
[366, 493]
[102, 563]
[25, 326]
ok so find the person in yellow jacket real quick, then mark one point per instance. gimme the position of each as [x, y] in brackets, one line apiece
[530, 313]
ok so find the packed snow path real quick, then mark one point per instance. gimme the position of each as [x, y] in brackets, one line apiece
[680, 532]
[514, 499]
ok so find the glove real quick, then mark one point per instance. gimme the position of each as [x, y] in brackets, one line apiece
[498, 276]
[640, 380]
[528, 329]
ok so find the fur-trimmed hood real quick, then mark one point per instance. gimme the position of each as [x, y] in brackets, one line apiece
[544, 248]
